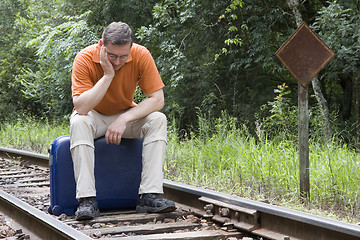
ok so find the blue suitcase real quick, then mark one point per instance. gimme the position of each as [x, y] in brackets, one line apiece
[117, 175]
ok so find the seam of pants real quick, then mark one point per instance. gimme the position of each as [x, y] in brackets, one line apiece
[77, 143]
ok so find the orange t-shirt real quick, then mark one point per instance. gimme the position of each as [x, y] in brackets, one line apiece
[139, 69]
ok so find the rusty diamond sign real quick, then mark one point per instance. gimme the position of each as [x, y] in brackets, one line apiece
[304, 54]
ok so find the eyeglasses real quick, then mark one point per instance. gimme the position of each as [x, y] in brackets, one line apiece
[114, 57]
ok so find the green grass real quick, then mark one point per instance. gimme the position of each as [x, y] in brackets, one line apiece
[239, 165]
[229, 159]
[30, 134]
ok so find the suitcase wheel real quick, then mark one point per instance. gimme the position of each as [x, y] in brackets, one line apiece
[50, 210]
[56, 210]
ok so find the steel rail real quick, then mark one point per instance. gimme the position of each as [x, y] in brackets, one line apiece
[39, 159]
[39, 224]
[275, 222]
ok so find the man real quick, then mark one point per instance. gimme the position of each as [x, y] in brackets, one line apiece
[104, 79]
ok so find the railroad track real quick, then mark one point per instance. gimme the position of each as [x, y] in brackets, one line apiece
[200, 214]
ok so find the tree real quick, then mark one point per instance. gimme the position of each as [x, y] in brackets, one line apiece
[12, 57]
[339, 28]
[212, 56]
[49, 84]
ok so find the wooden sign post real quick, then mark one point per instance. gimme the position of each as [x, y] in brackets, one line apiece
[304, 55]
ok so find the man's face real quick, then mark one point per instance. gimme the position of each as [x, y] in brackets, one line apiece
[118, 54]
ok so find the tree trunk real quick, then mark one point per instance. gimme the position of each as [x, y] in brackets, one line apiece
[324, 108]
[294, 6]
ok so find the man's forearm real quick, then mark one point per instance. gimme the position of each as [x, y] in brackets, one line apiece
[90, 98]
[143, 109]
[154, 102]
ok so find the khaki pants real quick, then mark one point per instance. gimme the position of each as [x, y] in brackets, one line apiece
[85, 128]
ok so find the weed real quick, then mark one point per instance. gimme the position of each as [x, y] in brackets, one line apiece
[229, 159]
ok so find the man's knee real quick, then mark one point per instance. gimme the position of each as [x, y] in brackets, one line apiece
[82, 130]
[156, 128]
[158, 119]
[78, 121]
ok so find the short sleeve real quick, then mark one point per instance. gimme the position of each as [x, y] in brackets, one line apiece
[81, 80]
[150, 80]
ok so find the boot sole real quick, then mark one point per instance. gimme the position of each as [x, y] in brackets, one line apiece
[87, 216]
[147, 209]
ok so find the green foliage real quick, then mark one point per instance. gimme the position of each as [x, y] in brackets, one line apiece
[250, 67]
[229, 159]
[184, 38]
[214, 56]
[218, 64]
[279, 117]
[135, 13]
[209, 126]
[173, 20]
[12, 57]
[48, 85]
[231, 15]
[339, 28]
[334, 173]
[34, 79]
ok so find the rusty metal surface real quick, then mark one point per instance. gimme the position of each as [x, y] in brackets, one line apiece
[304, 54]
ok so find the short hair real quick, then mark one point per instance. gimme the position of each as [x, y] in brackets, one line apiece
[117, 33]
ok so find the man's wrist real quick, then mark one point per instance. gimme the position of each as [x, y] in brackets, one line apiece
[108, 76]
[126, 117]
